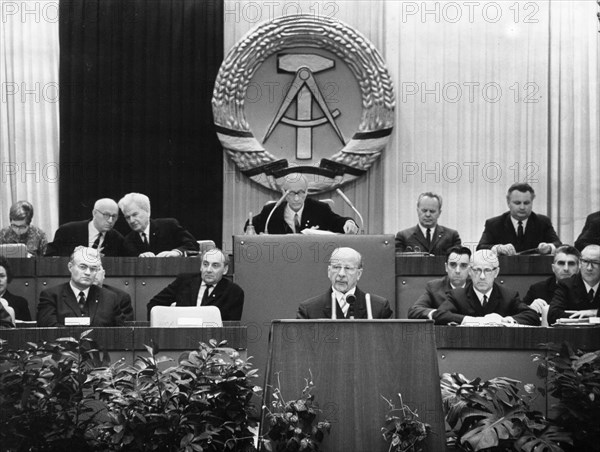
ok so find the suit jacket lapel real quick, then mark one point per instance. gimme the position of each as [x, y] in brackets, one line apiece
[217, 293]
[508, 226]
[473, 300]
[68, 298]
[436, 236]
[360, 307]
[419, 237]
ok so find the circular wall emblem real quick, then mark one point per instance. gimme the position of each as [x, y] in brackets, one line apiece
[304, 94]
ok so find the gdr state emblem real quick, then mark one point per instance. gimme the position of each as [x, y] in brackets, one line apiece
[304, 94]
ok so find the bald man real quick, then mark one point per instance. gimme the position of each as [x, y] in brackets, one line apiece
[484, 302]
[344, 271]
[297, 212]
[206, 288]
[97, 233]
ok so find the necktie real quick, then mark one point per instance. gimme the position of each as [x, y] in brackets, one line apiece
[96, 243]
[296, 223]
[520, 231]
[428, 236]
[591, 295]
[82, 301]
[205, 295]
[144, 239]
[485, 301]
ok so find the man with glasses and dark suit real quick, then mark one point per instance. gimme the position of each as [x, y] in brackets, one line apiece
[577, 297]
[344, 300]
[484, 302]
[97, 233]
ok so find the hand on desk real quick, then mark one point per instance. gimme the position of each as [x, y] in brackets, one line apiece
[583, 314]
[506, 250]
[350, 227]
[538, 305]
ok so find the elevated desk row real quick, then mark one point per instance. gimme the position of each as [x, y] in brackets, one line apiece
[144, 278]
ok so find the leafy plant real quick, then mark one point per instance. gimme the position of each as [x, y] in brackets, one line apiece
[492, 415]
[403, 429]
[574, 379]
[62, 395]
[292, 424]
[202, 404]
[43, 401]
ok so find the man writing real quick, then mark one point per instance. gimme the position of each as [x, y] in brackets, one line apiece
[436, 290]
[428, 236]
[80, 298]
[208, 288]
[577, 297]
[297, 212]
[344, 300]
[519, 229]
[484, 302]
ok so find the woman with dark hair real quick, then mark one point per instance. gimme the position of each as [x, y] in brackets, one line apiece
[19, 304]
[22, 231]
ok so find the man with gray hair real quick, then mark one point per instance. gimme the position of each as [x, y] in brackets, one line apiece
[79, 301]
[295, 212]
[159, 237]
[428, 236]
[97, 233]
[209, 287]
[344, 300]
[484, 302]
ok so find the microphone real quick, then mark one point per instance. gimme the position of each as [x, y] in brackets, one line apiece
[345, 198]
[350, 299]
[277, 204]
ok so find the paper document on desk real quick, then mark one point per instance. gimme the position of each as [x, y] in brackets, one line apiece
[313, 231]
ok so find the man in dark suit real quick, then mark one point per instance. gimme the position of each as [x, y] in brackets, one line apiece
[519, 229]
[436, 290]
[484, 302]
[344, 270]
[97, 233]
[161, 237]
[296, 212]
[428, 236]
[80, 298]
[19, 304]
[565, 265]
[208, 288]
[577, 297]
[590, 234]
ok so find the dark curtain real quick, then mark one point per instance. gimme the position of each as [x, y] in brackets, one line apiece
[136, 79]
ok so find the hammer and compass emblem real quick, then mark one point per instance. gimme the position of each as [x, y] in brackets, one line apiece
[304, 107]
[304, 90]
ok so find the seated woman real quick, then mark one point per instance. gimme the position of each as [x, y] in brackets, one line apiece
[17, 303]
[22, 231]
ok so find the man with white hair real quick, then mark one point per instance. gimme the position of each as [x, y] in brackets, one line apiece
[156, 237]
[297, 212]
[344, 270]
[96, 233]
[577, 297]
[80, 298]
[484, 302]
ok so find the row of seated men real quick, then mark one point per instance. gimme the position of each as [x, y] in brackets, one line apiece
[467, 295]
[519, 230]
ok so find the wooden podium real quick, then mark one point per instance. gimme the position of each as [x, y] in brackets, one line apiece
[354, 363]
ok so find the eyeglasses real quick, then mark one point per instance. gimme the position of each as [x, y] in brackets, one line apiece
[566, 263]
[485, 271]
[85, 268]
[462, 266]
[347, 269]
[108, 216]
[586, 262]
[299, 193]
[19, 227]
